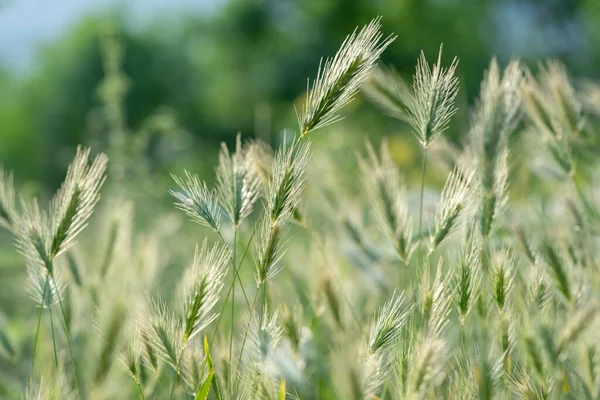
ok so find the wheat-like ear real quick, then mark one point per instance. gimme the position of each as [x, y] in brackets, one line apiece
[163, 332]
[432, 103]
[200, 287]
[7, 199]
[283, 196]
[495, 198]
[538, 293]
[455, 203]
[269, 247]
[386, 88]
[287, 178]
[237, 184]
[33, 235]
[383, 184]
[494, 119]
[524, 386]
[197, 201]
[497, 112]
[130, 357]
[387, 323]
[41, 237]
[436, 300]
[468, 277]
[429, 366]
[386, 327]
[502, 278]
[75, 201]
[340, 78]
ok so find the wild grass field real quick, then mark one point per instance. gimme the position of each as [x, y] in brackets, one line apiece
[283, 278]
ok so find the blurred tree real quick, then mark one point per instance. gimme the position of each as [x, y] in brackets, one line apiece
[241, 69]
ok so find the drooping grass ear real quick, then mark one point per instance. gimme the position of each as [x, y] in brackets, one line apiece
[341, 77]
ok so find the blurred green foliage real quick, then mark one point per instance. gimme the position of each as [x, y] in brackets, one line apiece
[239, 69]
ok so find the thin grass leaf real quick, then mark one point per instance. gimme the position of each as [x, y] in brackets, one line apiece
[210, 366]
[205, 388]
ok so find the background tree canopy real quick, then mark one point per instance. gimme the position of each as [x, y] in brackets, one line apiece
[239, 69]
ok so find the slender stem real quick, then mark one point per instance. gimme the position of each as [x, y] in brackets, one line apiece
[137, 382]
[423, 170]
[37, 331]
[264, 301]
[68, 334]
[237, 271]
[53, 338]
[239, 362]
[232, 331]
